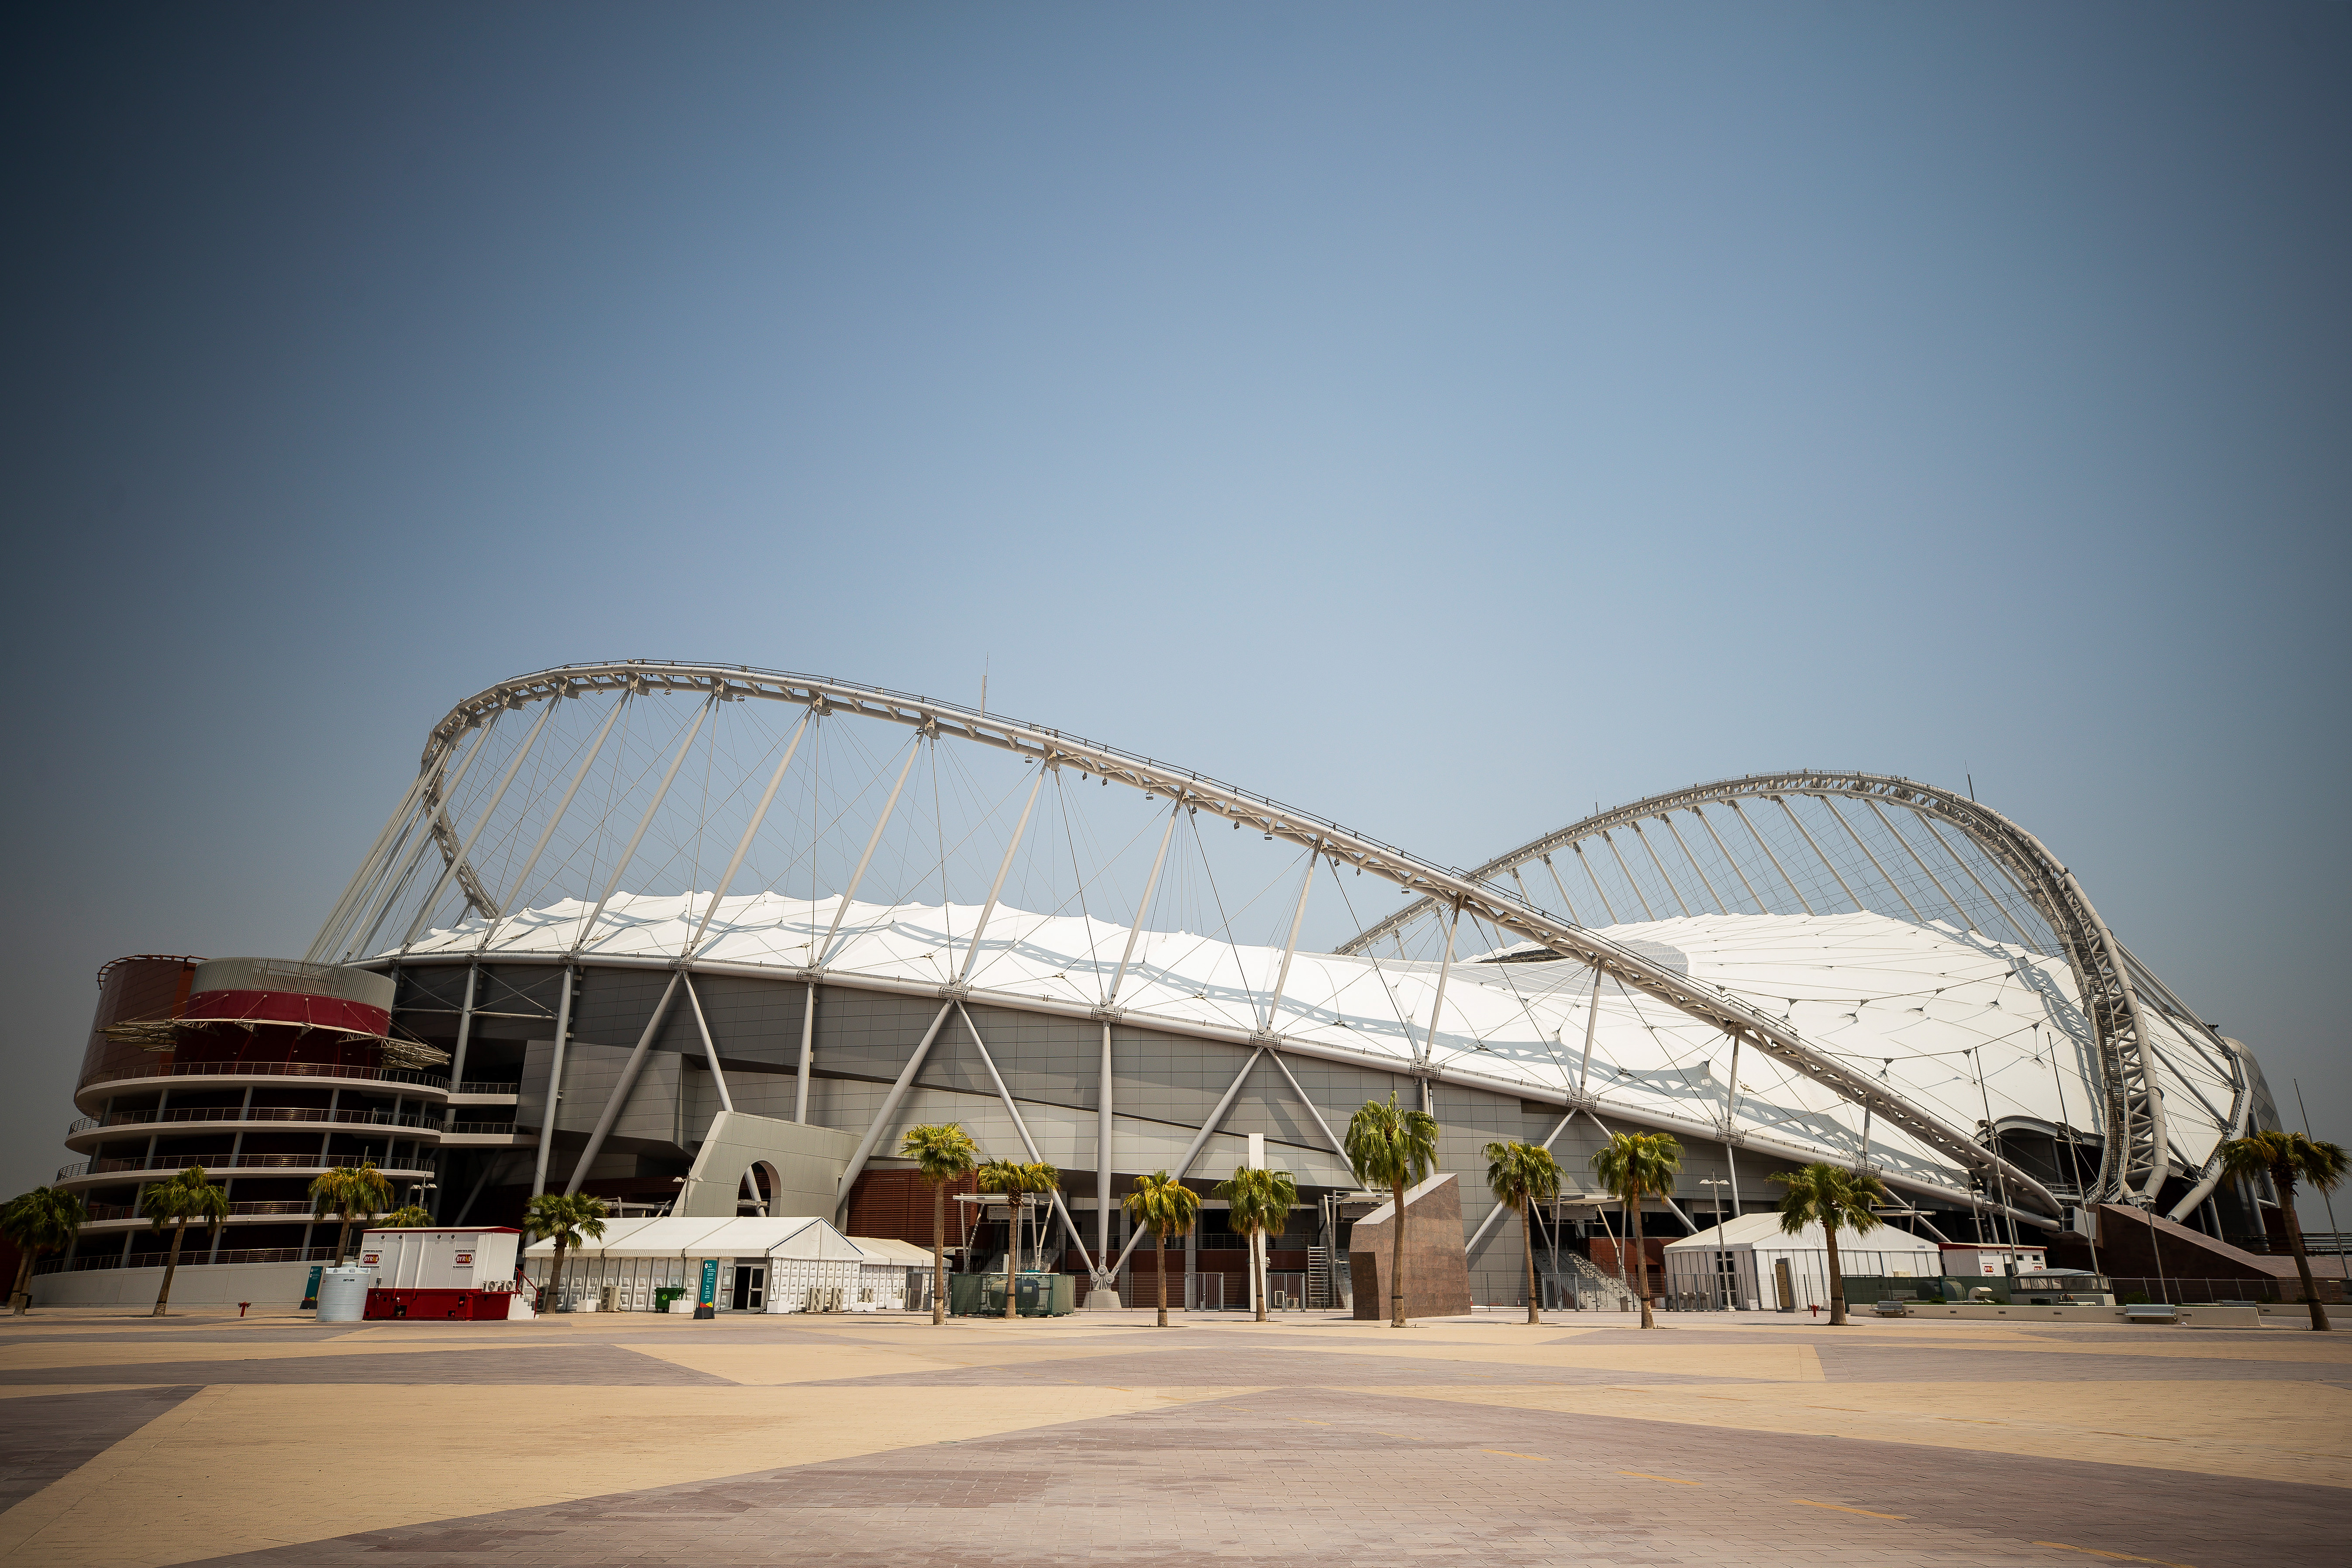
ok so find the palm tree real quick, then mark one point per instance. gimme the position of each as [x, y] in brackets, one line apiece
[1393, 1148]
[411, 1217]
[1834, 1197]
[943, 1152]
[568, 1218]
[2288, 1158]
[42, 1220]
[1016, 1180]
[349, 1193]
[1522, 1175]
[184, 1199]
[1633, 1166]
[1169, 1207]
[1258, 1203]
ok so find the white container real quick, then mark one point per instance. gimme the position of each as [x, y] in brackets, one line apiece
[342, 1294]
[428, 1258]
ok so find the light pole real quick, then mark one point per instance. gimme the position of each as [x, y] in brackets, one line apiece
[1719, 1186]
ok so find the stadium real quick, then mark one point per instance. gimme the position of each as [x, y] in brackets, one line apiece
[705, 941]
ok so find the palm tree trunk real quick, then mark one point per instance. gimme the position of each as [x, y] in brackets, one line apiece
[1159, 1267]
[1528, 1230]
[1642, 1262]
[2285, 1181]
[1258, 1261]
[163, 1296]
[1012, 1253]
[21, 1298]
[1837, 1276]
[343, 1237]
[555, 1279]
[939, 1253]
[1396, 1263]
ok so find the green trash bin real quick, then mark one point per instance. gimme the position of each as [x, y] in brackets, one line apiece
[664, 1294]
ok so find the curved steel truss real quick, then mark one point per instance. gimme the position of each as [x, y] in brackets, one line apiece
[2109, 980]
[384, 873]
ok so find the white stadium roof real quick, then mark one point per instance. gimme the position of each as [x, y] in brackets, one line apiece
[1957, 1024]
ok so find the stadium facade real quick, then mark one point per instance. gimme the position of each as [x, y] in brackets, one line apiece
[706, 940]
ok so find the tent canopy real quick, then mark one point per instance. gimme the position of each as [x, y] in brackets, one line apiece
[790, 1236]
[887, 1250]
[1753, 1231]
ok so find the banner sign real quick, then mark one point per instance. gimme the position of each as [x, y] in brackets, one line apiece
[709, 1295]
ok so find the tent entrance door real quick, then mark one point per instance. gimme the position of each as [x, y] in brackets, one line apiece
[750, 1287]
[1782, 1286]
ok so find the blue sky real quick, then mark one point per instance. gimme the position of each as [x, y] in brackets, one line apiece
[1440, 418]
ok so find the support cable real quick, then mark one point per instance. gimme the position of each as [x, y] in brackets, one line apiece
[1831, 806]
[1712, 896]
[1761, 907]
[465, 849]
[1782, 802]
[1622, 870]
[621, 866]
[1753, 833]
[1660, 864]
[1599, 892]
[530, 863]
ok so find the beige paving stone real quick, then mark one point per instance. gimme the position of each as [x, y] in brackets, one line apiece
[771, 1365]
[1791, 1363]
[2270, 1430]
[36, 1357]
[238, 1469]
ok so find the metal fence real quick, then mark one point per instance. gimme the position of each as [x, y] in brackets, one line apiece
[195, 1256]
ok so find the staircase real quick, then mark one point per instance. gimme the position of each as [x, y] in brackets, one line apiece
[1591, 1285]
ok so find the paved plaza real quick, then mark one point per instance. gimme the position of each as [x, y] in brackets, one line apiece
[1738, 1439]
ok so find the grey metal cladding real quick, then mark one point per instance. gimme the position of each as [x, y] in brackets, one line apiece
[613, 1004]
[1494, 1115]
[753, 1020]
[869, 1032]
[516, 988]
[435, 988]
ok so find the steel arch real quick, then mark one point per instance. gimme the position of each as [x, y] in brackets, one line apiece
[1464, 891]
[2107, 976]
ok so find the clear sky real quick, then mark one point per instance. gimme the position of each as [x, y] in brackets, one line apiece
[1442, 418]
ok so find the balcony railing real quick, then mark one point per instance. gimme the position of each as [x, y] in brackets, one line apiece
[258, 1114]
[481, 1127]
[271, 1069]
[194, 1255]
[124, 1211]
[482, 1086]
[229, 1163]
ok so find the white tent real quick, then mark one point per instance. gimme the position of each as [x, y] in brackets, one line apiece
[889, 1267]
[1759, 1265]
[794, 1263]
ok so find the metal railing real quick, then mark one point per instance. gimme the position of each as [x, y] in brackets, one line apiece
[233, 1163]
[194, 1256]
[257, 1113]
[1581, 1278]
[2193, 1292]
[481, 1127]
[271, 1069]
[483, 1086]
[2315, 1244]
[125, 1211]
